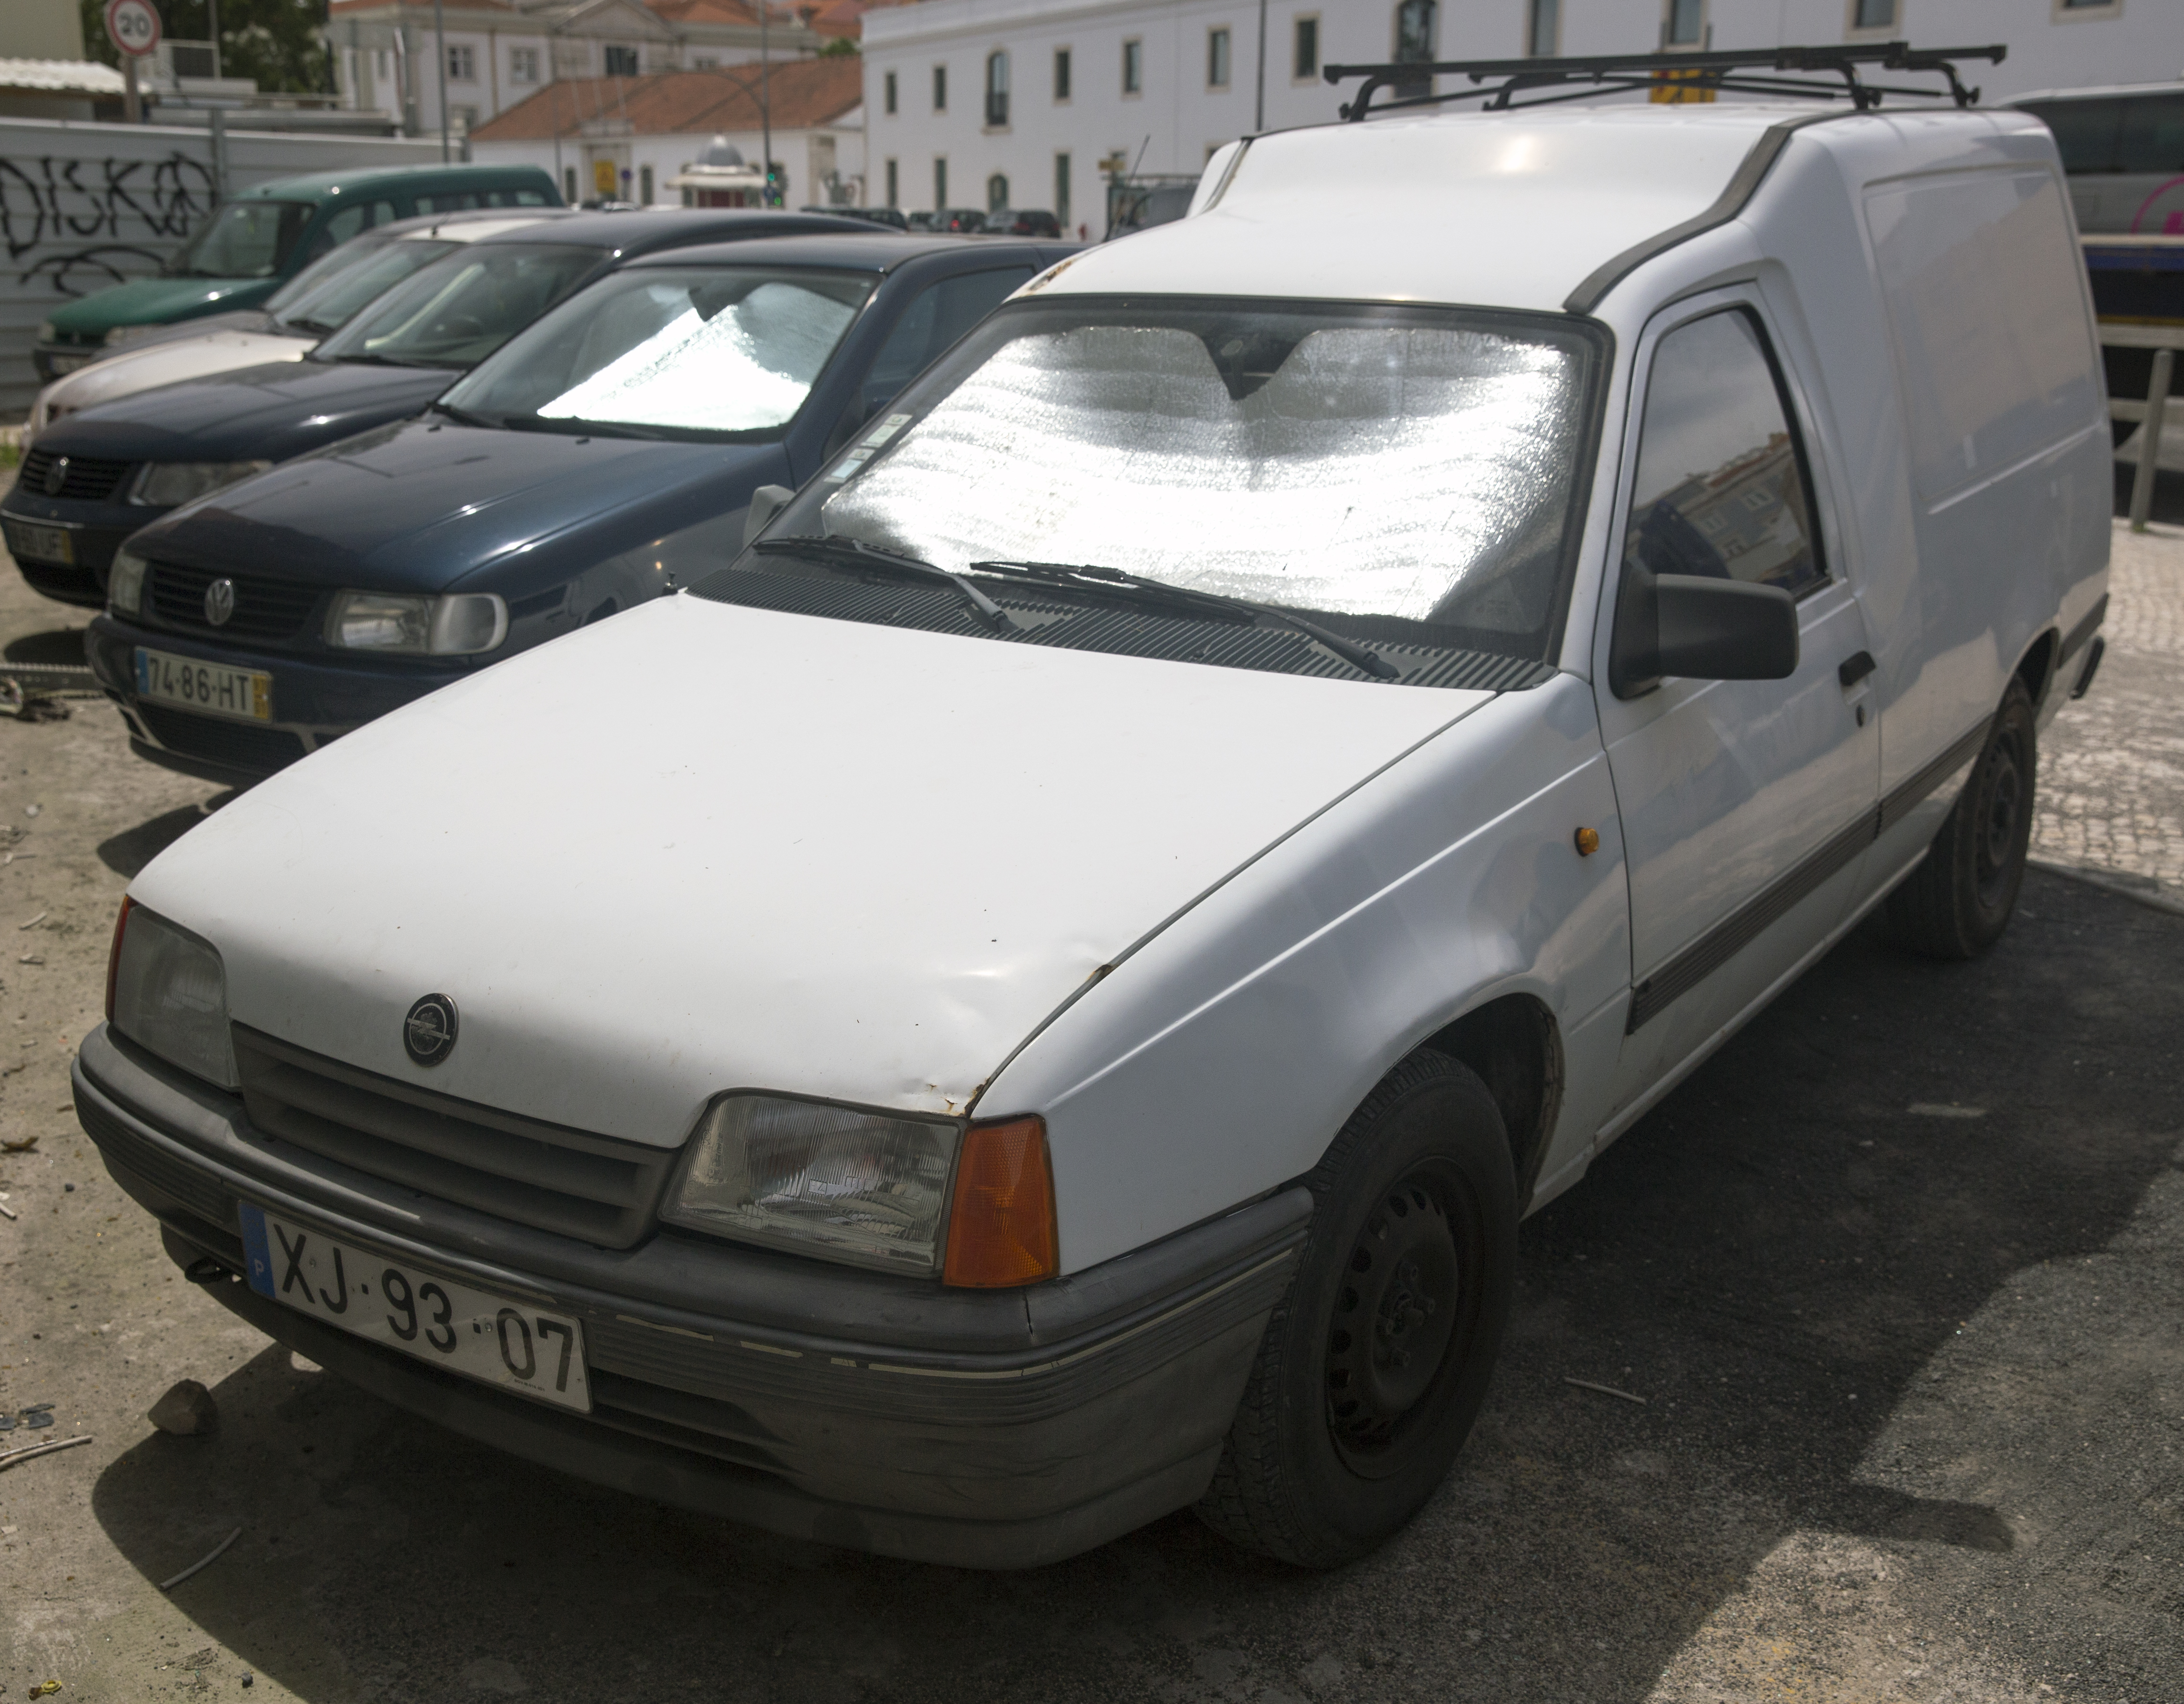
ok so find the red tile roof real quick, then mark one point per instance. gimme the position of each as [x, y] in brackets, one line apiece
[389, 5]
[803, 93]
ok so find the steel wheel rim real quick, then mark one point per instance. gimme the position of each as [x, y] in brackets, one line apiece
[1996, 828]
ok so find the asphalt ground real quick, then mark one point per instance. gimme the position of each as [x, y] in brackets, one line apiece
[1896, 1274]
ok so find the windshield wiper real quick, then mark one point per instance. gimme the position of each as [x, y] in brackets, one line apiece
[570, 425]
[1358, 656]
[367, 357]
[852, 552]
[461, 416]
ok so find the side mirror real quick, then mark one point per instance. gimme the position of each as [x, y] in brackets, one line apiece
[767, 502]
[1701, 628]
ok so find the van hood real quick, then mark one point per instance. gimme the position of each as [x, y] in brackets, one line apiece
[157, 302]
[700, 847]
[419, 505]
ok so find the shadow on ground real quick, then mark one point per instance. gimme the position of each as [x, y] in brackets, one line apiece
[130, 851]
[2168, 495]
[1778, 1259]
[60, 647]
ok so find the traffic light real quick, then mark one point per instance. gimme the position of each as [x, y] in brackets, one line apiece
[777, 184]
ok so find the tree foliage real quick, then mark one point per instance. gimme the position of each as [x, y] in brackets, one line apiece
[279, 44]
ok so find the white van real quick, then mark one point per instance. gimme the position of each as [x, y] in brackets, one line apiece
[1038, 995]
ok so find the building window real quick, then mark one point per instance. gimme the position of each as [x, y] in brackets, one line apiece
[1414, 43]
[940, 88]
[1062, 191]
[886, 94]
[894, 185]
[462, 62]
[1304, 51]
[1683, 25]
[1217, 59]
[2075, 10]
[997, 192]
[620, 62]
[1873, 14]
[1061, 74]
[939, 184]
[568, 185]
[997, 90]
[644, 185]
[382, 64]
[523, 64]
[1543, 28]
[706, 62]
[1133, 67]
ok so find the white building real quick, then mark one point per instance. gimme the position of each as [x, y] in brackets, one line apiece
[628, 139]
[986, 103]
[499, 53]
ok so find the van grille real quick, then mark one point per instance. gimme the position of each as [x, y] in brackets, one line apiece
[210, 740]
[602, 1191]
[264, 609]
[85, 479]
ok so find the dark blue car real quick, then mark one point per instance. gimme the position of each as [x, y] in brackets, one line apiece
[95, 476]
[606, 455]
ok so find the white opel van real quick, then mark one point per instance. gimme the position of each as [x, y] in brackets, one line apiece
[1038, 995]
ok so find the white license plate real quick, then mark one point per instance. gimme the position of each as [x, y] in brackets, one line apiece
[246, 694]
[494, 1339]
[41, 543]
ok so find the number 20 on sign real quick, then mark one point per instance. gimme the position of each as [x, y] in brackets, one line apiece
[132, 26]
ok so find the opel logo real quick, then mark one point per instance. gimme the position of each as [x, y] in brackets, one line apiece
[428, 1033]
[57, 475]
[219, 601]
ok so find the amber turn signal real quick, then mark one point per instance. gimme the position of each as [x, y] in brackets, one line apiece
[1588, 842]
[1000, 1223]
[113, 954]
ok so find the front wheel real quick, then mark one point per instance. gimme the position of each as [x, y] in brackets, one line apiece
[1376, 1363]
[1956, 904]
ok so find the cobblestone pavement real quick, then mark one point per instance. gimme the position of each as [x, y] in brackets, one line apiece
[2111, 764]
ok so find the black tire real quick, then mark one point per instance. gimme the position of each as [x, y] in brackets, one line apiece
[1376, 1363]
[1956, 904]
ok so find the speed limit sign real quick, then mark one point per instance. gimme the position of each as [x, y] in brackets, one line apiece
[132, 26]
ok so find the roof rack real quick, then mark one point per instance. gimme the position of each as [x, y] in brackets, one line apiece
[1757, 71]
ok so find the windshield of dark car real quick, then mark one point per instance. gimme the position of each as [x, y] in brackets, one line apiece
[462, 307]
[245, 239]
[337, 297]
[1405, 473]
[699, 349]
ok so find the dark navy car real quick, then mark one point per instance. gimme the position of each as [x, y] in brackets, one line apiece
[605, 456]
[95, 476]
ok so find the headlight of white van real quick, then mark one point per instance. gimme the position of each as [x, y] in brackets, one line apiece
[125, 582]
[169, 996]
[460, 624]
[866, 1188]
[130, 334]
[169, 485]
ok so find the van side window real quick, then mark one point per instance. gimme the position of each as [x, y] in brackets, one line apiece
[1721, 481]
[347, 223]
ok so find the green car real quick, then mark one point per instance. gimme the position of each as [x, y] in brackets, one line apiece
[257, 241]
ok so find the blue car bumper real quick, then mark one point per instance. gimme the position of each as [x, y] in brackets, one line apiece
[313, 701]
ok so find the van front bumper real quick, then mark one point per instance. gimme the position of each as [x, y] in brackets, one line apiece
[1004, 1429]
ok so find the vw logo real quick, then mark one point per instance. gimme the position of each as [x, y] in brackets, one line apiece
[428, 1033]
[57, 475]
[219, 601]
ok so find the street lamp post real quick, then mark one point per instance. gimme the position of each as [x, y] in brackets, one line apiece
[765, 108]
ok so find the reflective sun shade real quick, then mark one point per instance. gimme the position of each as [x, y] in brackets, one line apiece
[854, 1186]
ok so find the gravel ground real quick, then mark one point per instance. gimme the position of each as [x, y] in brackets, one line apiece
[1897, 1275]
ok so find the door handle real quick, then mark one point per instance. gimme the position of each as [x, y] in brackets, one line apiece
[1855, 668]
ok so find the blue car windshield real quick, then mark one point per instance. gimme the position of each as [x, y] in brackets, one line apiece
[245, 239]
[459, 310]
[708, 352]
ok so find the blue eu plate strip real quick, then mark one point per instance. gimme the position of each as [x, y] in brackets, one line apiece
[253, 1247]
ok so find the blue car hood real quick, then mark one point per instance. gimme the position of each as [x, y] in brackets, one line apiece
[252, 414]
[422, 505]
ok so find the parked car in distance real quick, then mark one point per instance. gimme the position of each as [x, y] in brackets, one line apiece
[604, 456]
[969, 222]
[1038, 996]
[317, 302]
[1022, 222]
[256, 241]
[925, 219]
[1143, 203]
[2123, 155]
[95, 477]
[893, 217]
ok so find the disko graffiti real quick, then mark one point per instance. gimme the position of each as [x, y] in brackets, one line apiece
[54, 205]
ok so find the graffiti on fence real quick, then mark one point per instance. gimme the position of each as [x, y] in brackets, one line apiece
[48, 201]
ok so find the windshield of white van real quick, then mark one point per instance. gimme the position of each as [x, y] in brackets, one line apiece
[1399, 474]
